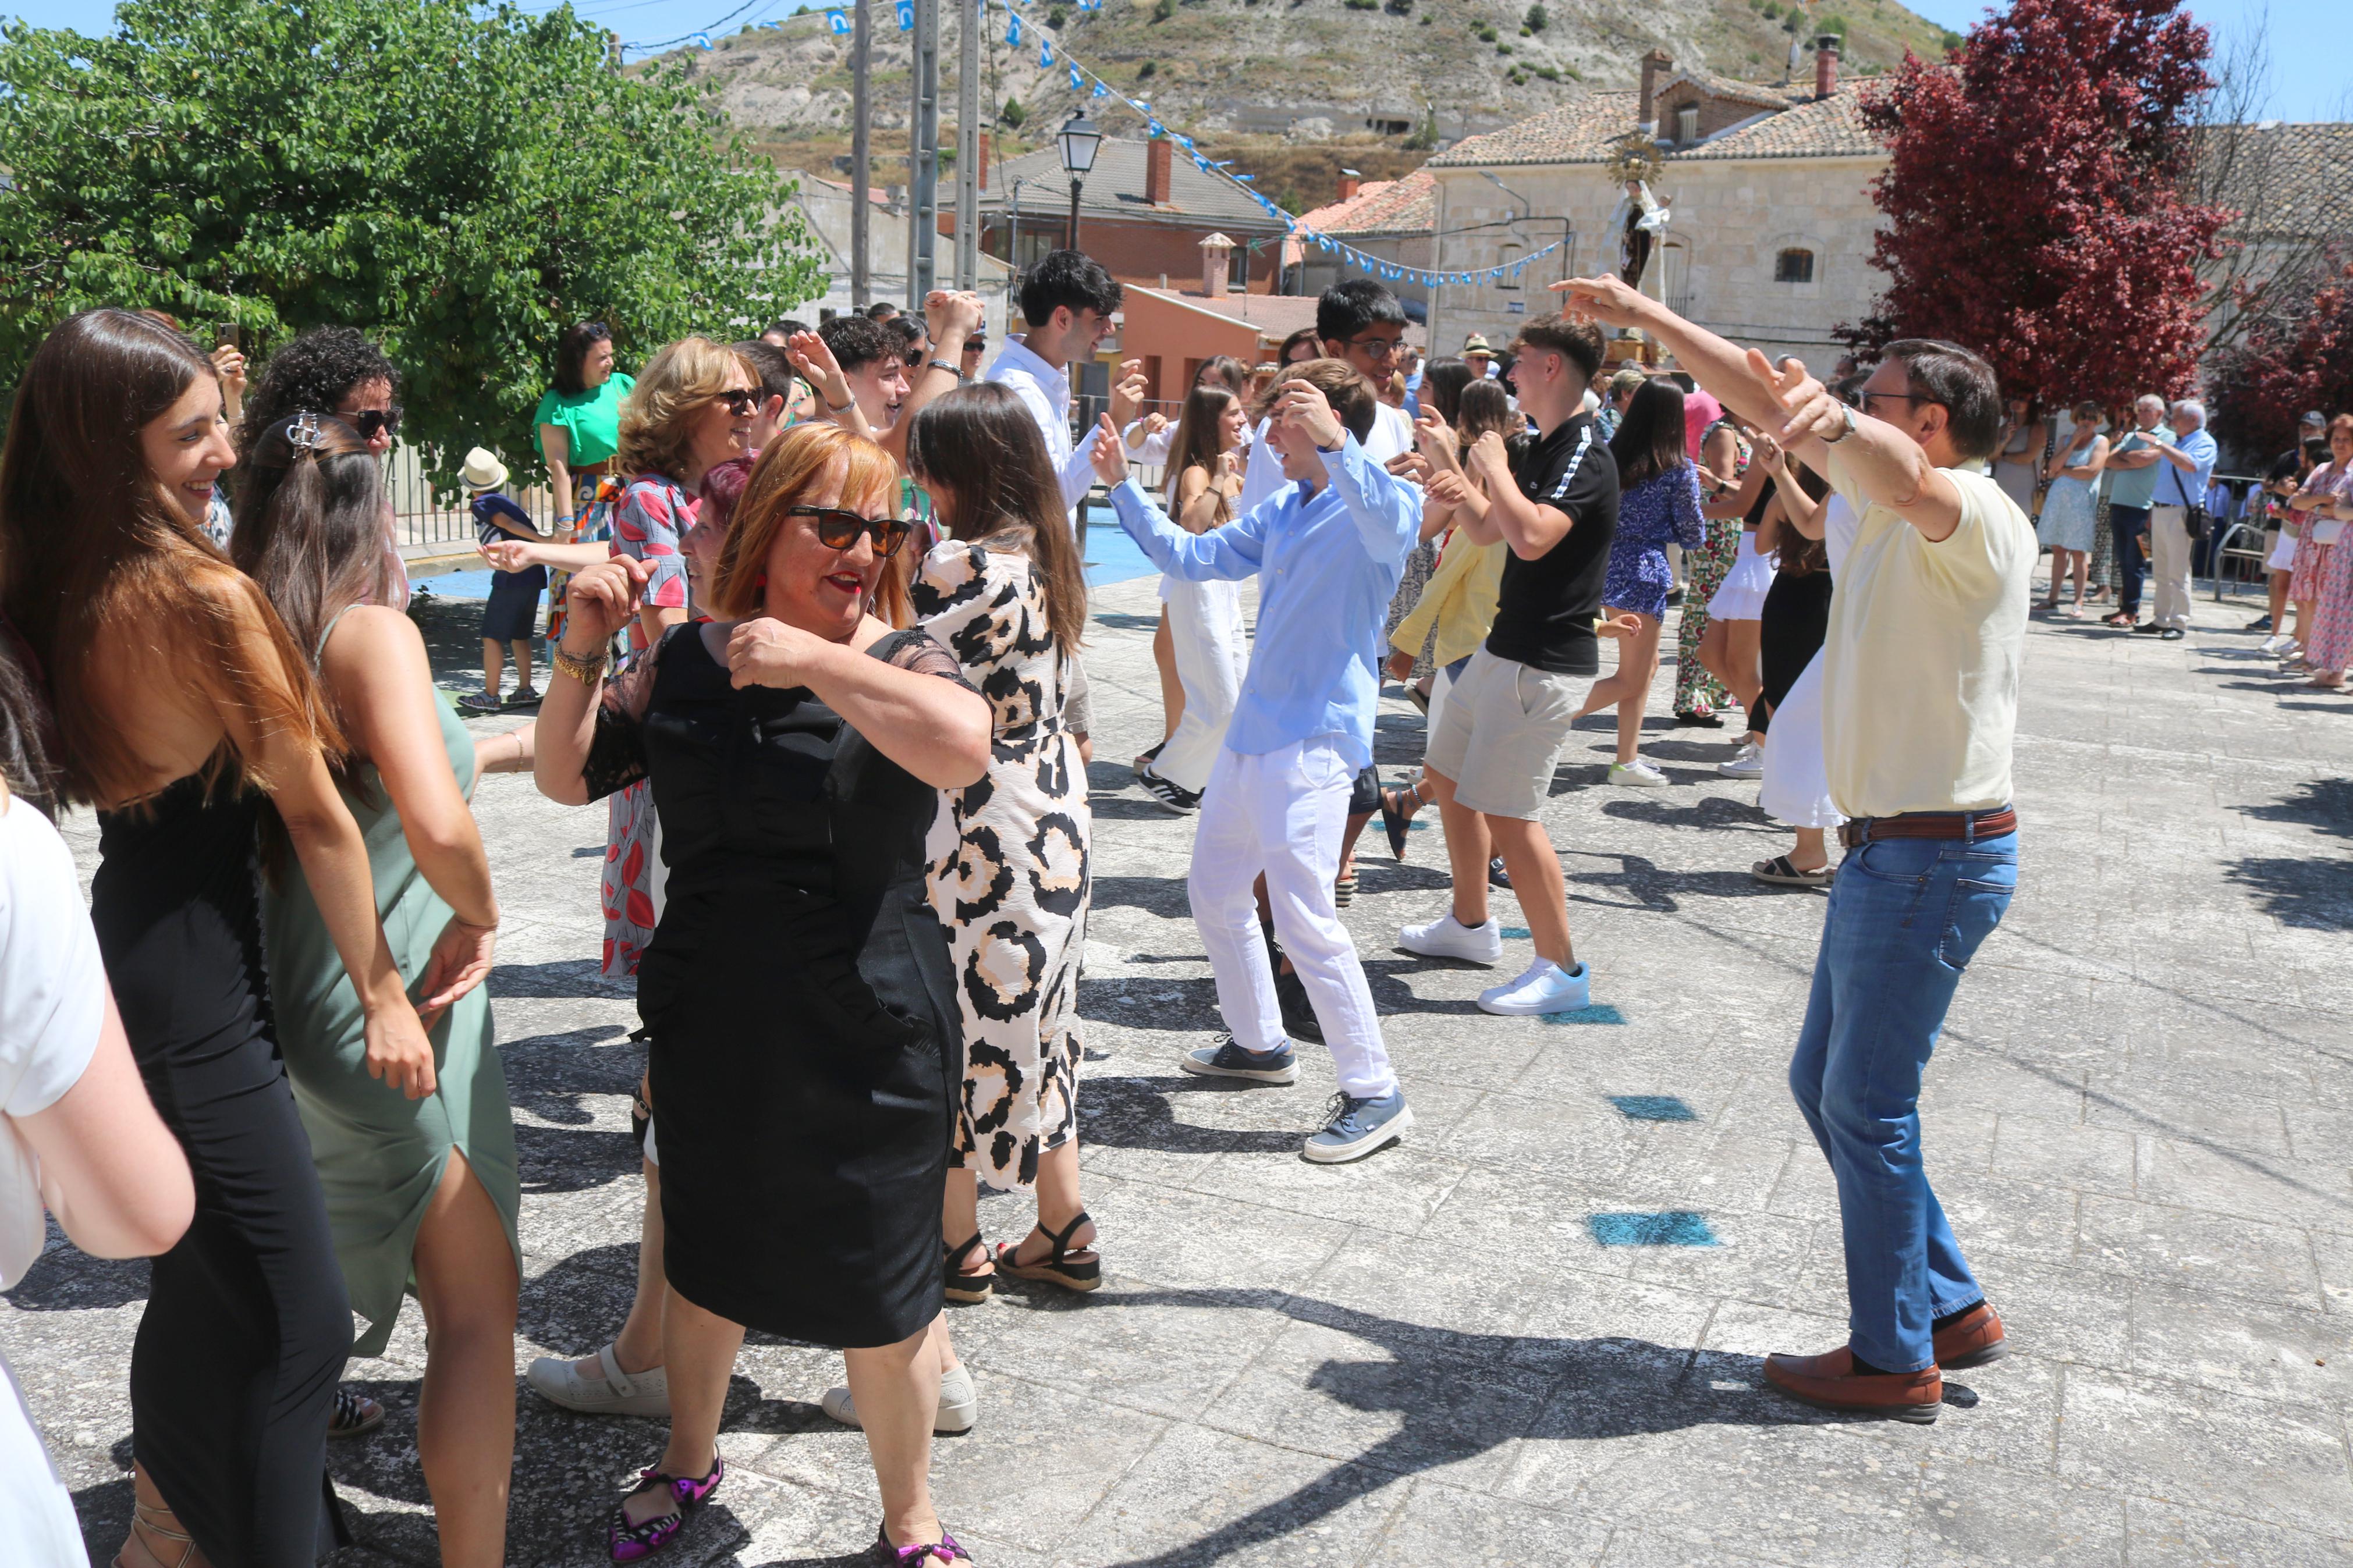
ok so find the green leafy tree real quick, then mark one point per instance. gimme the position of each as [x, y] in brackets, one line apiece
[460, 186]
[1535, 21]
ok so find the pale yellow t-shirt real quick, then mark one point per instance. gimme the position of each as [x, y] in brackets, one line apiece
[1920, 665]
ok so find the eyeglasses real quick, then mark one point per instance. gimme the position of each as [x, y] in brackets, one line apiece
[1377, 348]
[838, 528]
[741, 400]
[973, 345]
[369, 421]
[1870, 397]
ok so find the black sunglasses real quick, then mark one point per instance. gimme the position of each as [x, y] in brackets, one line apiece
[368, 421]
[838, 528]
[742, 400]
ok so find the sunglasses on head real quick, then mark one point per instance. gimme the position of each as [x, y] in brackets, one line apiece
[838, 528]
[369, 421]
[742, 400]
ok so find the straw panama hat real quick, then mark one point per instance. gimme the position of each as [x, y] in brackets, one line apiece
[483, 471]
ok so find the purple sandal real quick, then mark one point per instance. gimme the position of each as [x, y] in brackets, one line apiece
[920, 1555]
[635, 1542]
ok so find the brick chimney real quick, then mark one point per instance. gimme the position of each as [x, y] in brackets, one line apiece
[1655, 64]
[984, 160]
[1351, 182]
[1826, 59]
[1217, 255]
[1157, 153]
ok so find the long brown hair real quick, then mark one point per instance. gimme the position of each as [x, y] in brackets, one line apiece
[1195, 445]
[309, 525]
[1482, 406]
[979, 446]
[95, 552]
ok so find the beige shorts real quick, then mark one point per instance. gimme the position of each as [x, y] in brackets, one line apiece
[1501, 733]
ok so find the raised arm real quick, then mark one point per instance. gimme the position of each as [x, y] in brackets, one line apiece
[1884, 463]
[949, 318]
[938, 730]
[334, 858]
[600, 603]
[376, 665]
[1229, 554]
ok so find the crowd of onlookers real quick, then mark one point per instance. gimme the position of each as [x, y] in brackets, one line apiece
[2131, 507]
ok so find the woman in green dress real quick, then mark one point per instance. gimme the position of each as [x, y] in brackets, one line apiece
[420, 1179]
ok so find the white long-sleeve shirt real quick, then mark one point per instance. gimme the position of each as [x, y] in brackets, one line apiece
[1045, 393]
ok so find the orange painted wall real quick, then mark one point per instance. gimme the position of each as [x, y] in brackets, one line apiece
[1173, 339]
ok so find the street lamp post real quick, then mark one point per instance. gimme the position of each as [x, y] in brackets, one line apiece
[1079, 139]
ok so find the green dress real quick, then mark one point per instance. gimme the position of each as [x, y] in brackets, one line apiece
[380, 1154]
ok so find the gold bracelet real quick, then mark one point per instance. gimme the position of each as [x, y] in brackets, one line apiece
[588, 672]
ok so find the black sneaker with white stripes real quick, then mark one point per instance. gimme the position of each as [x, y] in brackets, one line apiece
[1174, 796]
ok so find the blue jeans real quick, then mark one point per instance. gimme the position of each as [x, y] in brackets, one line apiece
[2129, 524]
[1905, 915]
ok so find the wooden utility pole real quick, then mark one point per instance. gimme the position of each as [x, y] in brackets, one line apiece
[860, 39]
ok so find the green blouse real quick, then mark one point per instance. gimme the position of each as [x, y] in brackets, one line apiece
[591, 420]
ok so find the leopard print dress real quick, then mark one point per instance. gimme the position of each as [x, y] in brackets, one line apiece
[1009, 876]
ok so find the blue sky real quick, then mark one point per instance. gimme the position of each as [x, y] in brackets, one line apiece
[2306, 43]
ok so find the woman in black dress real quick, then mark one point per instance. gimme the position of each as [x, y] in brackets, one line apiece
[798, 990]
[181, 703]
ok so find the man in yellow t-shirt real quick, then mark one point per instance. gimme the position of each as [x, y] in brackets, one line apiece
[1920, 699]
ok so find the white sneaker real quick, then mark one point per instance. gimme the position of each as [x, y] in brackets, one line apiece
[1638, 773]
[1447, 936]
[959, 1405]
[1748, 763]
[2276, 644]
[616, 1392]
[1546, 988]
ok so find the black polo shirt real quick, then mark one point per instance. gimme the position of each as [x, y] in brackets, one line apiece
[1543, 613]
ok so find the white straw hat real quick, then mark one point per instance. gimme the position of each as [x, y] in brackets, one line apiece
[483, 471]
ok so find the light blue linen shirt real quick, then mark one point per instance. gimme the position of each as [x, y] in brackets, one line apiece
[2134, 487]
[2175, 488]
[1328, 563]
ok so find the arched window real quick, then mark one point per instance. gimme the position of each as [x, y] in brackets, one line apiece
[1794, 266]
[1507, 258]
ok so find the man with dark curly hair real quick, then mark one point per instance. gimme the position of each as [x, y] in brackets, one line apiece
[331, 370]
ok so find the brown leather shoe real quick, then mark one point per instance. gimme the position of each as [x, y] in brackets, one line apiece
[1973, 1342]
[1831, 1382]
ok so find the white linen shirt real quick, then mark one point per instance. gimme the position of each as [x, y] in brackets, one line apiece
[1045, 393]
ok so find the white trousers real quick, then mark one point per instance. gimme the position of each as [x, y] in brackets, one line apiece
[2169, 568]
[1284, 813]
[1205, 624]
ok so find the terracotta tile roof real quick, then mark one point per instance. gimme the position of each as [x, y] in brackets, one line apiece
[1581, 132]
[2295, 178]
[1762, 94]
[1578, 131]
[1812, 128]
[1408, 206]
[1114, 189]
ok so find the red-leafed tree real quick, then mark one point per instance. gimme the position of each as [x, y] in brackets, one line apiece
[2287, 362]
[2034, 200]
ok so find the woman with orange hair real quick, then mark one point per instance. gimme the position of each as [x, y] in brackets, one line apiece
[798, 991]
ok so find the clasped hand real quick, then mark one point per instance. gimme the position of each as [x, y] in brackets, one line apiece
[765, 652]
[600, 602]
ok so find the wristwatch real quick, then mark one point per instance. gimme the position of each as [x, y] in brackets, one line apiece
[1846, 410]
[942, 365]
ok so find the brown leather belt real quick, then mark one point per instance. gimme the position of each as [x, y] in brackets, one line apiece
[1856, 832]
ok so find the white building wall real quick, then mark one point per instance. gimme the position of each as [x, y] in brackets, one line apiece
[1730, 222]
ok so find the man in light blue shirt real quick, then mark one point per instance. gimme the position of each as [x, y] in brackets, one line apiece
[2131, 474]
[1328, 550]
[2183, 471]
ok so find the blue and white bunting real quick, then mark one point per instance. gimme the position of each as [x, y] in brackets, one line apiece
[836, 22]
[1045, 51]
[1012, 29]
[906, 16]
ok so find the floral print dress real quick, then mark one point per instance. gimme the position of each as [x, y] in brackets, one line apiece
[650, 518]
[1697, 691]
[1010, 879]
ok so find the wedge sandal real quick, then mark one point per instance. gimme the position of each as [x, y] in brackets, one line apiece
[967, 1289]
[1056, 1268]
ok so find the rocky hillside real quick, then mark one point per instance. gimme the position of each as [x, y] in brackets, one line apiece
[1302, 70]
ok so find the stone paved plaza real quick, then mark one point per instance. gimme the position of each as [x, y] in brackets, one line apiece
[2141, 1121]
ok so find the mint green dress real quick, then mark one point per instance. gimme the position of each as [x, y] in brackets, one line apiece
[380, 1154]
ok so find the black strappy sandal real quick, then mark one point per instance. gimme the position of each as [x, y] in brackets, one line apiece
[1057, 1268]
[967, 1290]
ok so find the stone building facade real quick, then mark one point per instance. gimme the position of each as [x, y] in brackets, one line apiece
[1768, 186]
